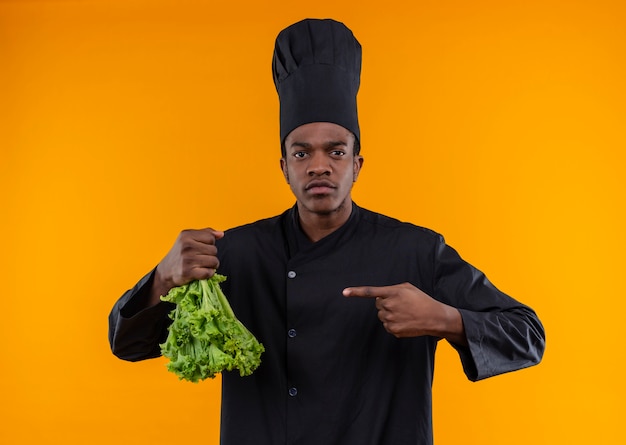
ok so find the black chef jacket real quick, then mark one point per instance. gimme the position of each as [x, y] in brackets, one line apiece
[331, 374]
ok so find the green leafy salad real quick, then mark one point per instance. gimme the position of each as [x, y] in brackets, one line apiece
[205, 337]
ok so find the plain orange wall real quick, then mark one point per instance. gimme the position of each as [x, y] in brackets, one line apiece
[499, 124]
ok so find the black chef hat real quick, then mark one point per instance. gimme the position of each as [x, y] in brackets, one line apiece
[317, 67]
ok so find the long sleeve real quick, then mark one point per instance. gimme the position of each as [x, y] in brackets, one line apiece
[503, 334]
[135, 334]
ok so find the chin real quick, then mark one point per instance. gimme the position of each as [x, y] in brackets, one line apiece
[324, 208]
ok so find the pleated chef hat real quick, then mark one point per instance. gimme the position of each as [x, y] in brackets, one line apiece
[317, 68]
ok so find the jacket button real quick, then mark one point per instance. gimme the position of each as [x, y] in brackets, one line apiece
[293, 392]
[291, 274]
[291, 333]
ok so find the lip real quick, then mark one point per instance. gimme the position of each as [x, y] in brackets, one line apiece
[320, 187]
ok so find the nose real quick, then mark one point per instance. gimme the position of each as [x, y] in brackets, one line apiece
[318, 164]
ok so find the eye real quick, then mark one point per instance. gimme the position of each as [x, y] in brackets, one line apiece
[299, 154]
[338, 153]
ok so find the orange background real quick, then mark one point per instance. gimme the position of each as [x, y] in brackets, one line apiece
[499, 124]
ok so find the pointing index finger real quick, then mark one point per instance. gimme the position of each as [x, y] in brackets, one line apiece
[365, 292]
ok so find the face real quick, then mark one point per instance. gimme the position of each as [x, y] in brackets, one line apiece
[320, 167]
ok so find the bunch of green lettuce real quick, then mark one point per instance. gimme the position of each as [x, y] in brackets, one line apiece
[205, 337]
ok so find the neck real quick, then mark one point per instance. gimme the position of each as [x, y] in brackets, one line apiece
[318, 225]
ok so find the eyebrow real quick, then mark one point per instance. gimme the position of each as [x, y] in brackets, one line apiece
[329, 144]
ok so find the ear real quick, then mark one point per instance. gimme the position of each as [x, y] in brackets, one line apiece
[283, 167]
[357, 165]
